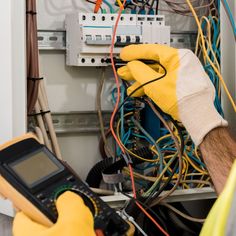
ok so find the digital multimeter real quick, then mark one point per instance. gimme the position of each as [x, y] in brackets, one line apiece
[33, 178]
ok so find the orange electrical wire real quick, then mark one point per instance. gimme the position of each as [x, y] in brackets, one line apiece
[152, 219]
[113, 117]
[116, 78]
[132, 180]
[97, 6]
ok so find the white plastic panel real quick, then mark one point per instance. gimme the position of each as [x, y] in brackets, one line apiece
[72, 88]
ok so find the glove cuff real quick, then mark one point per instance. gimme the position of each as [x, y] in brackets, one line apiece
[199, 115]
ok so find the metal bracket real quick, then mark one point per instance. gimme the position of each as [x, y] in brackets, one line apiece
[183, 40]
[118, 200]
[51, 40]
[79, 122]
[56, 40]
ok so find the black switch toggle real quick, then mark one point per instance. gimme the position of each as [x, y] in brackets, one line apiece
[118, 39]
[128, 39]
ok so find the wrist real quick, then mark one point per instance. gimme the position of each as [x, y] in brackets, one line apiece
[199, 115]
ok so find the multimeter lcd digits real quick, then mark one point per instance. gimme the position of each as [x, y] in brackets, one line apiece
[33, 178]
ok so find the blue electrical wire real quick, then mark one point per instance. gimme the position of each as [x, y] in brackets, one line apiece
[110, 6]
[208, 68]
[124, 141]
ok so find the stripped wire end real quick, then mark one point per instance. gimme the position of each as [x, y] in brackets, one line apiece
[127, 158]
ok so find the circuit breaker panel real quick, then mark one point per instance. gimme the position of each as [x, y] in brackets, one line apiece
[89, 36]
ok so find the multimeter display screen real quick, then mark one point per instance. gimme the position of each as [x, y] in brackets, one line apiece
[36, 168]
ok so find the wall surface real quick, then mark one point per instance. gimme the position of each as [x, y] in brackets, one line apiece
[13, 86]
[228, 50]
[12, 61]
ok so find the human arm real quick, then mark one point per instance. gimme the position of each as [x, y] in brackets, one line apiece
[219, 152]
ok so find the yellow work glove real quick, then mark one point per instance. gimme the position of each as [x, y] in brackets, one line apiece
[186, 92]
[221, 219]
[74, 219]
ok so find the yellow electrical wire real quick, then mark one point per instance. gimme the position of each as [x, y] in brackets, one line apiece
[186, 162]
[193, 165]
[169, 168]
[120, 4]
[208, 58]
[208, 39]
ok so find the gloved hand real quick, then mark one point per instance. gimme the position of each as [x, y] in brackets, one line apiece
[75, 219]
[186, 92]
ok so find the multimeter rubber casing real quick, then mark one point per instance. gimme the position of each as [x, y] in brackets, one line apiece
[47, 178]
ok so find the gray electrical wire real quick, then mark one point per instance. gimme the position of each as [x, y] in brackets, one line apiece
[183, 214]
[177, 147]
[99, 110]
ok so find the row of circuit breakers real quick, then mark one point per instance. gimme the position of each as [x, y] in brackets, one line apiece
[89, 36]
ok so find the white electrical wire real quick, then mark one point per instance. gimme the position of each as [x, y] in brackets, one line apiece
[125, 216]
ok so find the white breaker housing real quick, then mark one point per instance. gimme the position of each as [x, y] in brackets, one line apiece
[88, 35]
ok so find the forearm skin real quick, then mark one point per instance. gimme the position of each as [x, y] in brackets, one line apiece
[219, 152]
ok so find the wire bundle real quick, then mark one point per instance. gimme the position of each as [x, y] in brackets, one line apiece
[37, 103]
[201, 7]
[211, 30]
[161, 167]
[175, 162]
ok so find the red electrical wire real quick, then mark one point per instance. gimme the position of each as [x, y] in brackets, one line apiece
[141, 208]
[113, 117]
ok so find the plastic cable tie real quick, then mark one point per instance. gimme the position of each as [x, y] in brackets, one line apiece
[40, 113]
[34, 78]
[31, 12]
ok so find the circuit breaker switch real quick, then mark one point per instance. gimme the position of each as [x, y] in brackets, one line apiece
[89, 35]
[98, 37]
[108, 37]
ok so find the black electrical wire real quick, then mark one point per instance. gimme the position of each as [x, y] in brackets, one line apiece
[157, 6]
[141, 86]
[149, 209]
[94, 4]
